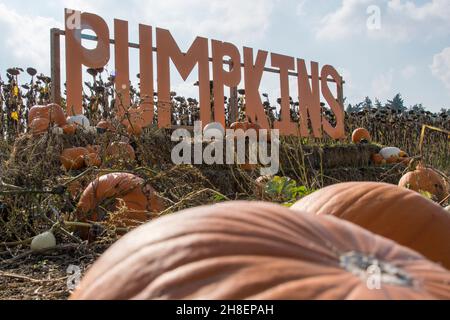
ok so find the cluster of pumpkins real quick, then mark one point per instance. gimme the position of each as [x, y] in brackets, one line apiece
[357, 240]
[422, 179]
[387, 155]
[41, 119]
[81, 157]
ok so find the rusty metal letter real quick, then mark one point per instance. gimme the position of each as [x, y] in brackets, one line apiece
[184, 62]
[122, 81]
[221, 77]
[146, 74]
[253, 74]
[284, 63]
[337, 132]
[309, 98]
[77, 55]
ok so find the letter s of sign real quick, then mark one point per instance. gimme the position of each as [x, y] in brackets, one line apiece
[74, 278]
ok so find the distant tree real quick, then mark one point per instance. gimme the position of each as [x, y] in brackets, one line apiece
[367, 103]
[349, 108]
[378, 104]
[445, 111]
[417, 107]
[396, 103]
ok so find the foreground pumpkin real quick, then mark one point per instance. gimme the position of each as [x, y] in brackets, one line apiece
[73, 158]
[245, 250]
[395, 213]
[425, 179]
[361, 135]
[122, 188]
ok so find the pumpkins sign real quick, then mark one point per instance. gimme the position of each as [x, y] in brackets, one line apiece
[244, 67]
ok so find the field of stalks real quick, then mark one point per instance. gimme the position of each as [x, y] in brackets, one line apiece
[37, 194]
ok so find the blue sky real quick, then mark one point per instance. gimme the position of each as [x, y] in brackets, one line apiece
[409, 52]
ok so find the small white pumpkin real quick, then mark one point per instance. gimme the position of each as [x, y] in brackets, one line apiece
[214, 129]
[388, 152]
[43, 241]
[80, 120]
[447, 208]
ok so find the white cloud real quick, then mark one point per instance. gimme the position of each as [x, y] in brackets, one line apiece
[26, 39]
[382, 84]
[233, 20]
[399, 20]
[300, 10]
[441, 66]
[408, 72]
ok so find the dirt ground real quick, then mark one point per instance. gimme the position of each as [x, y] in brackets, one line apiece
[46, 275]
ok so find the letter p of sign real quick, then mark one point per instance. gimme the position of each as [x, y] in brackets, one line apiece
[77, 55]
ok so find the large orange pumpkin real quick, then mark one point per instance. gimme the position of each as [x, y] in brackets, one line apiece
[73, 158]
[122, 188]
[246, 250]
[53, 112]
[395, 213]
[425, 179]
[361, 135]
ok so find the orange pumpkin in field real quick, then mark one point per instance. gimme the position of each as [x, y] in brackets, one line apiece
[377, 159]
[121, 150]
[361, 135]
[426, 180]
[246, 125]
[53, 112]
[94, 149]
[106, 125]
[69, 129]
[131, 190]
[395, 213]
[135, 129]
[258, 251]
[39, 126]
[73, 158]
[93, 160]
[392, 160]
